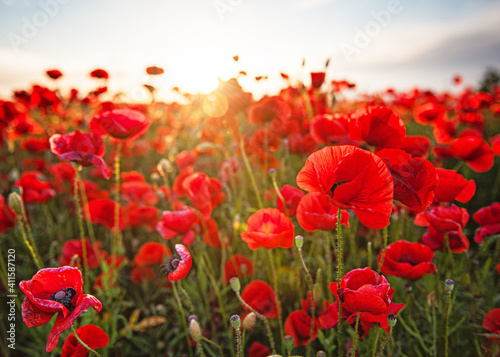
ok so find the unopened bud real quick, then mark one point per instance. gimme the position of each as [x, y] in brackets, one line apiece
[249, 321]
[392, 320]
[321, 354]
[235, 322]
[235, 284]
[155, 178]
[272, 173]
[449, 285]
[288, 343]
[299, 242]
[15, 202]
[164, 167]
[194, 330]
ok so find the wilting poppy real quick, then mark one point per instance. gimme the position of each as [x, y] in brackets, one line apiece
[177, 222]
[453, 186]
[329, 129]
[292, 197]
[120, 123]
[204, 192]
[51, 291]
[407, 260]
[474, 151]
[7, 216]
[414, 179]
[35, 190]
[74, 247]
[259, 295]
[179, 268]
[489, 220]
[351, 178]
[378, 126]
[237, 266]
[83, 149]
[99, 73]
[268, 228]
[491, 322]
[91, 335]
[316, 212]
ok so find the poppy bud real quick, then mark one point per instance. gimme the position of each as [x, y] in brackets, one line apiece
[15, 202]
[299, 242]
[272, 173]
[391, 320]
[235, 322]
[249, 321]
[320, 354]
[164, 167]
[235, 284]
[288, 343]
[449, 285]
[155, 178]
[194, 329]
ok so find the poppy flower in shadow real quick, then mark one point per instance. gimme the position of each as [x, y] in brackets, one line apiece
[489, 220]
[91, 335]
[7, 216]
[83, 149]
[237, 266]
[491, 322]
[120, 123]
[407, 260]
[268, 228]
[259, 295]
[51, 291]
[74, 247]
[351, 178]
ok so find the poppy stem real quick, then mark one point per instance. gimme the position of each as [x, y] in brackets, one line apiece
[276, 293]
[250, 173]
[449, 289]
[339, 278]
[278, 192]
[239, 350]
[187, 298]
[213, 343]
[33, 252]
[183, 318]
[328, 259]
[356, 335]
[376, 342]
[264, 319]
[386, 238]
[116, 230]
[384, 343]
[91, 351]
[78, 181]
[311, 287]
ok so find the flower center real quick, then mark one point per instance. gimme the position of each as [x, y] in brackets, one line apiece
[407, 259]
[64, 296]
[335, 185]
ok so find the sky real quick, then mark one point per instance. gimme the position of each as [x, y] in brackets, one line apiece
[375, 44]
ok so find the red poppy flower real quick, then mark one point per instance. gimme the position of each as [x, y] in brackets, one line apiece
[154, 71]
[74, 247]
[152, 253]
[474, 151]
[428, 113]
[237, 266]
[7, 216]
[204, 192]
[407, 260]
[211, 234]
[444, 219]
[491, 322]
[54, 73]
[138, 215]
[292, 198]
[453, 186]
[316, 212]
[414, 179]
[489, 220]
[120, 123]
[330, 129]
[177, 269]
[317, 79]
[436, 240]
[61, 172]
[83, 149]
[378, 126]
[177, 222]
[265, 110]
[268, 228]
[259, 295]
[51, 291]
[35, 190]
[102, 211]
[142, 273]
[351, 178]
[416, 145]
[35, 145]
[257, 349]
[495, 143]
[139, 192]
[91, 335]
[99, 73]
[363, 290]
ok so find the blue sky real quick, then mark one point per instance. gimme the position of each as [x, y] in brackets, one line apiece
[378, 44]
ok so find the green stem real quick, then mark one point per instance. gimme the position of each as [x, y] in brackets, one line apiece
[186, 297]
[276, 293]
[386, 238]
[183, 318]
[91, 351]
[376, 342]
[339, 278]
[329, 258]
[278, 192]
[264, 319]
[356, 335]
[36, 259]
[447, 321]
[311, 287]
[239, 351]
[116, 230]
[384, 342]
[213, 343]
[78, 182]
[250, 173]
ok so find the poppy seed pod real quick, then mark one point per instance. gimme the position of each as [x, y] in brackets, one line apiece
[449, 285]
[235, 322]
[235, 284]
[392, 320]
[288, 343]
[299, 242]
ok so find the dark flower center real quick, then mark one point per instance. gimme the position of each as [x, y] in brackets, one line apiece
[170, 265]
[335, 185]
[64, 296]
[406, 259]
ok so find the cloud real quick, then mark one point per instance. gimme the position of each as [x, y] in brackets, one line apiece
[310, 4]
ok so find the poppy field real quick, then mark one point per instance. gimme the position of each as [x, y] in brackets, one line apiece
[318, 221]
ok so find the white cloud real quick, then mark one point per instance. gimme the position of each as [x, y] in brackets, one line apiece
[310, 4]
